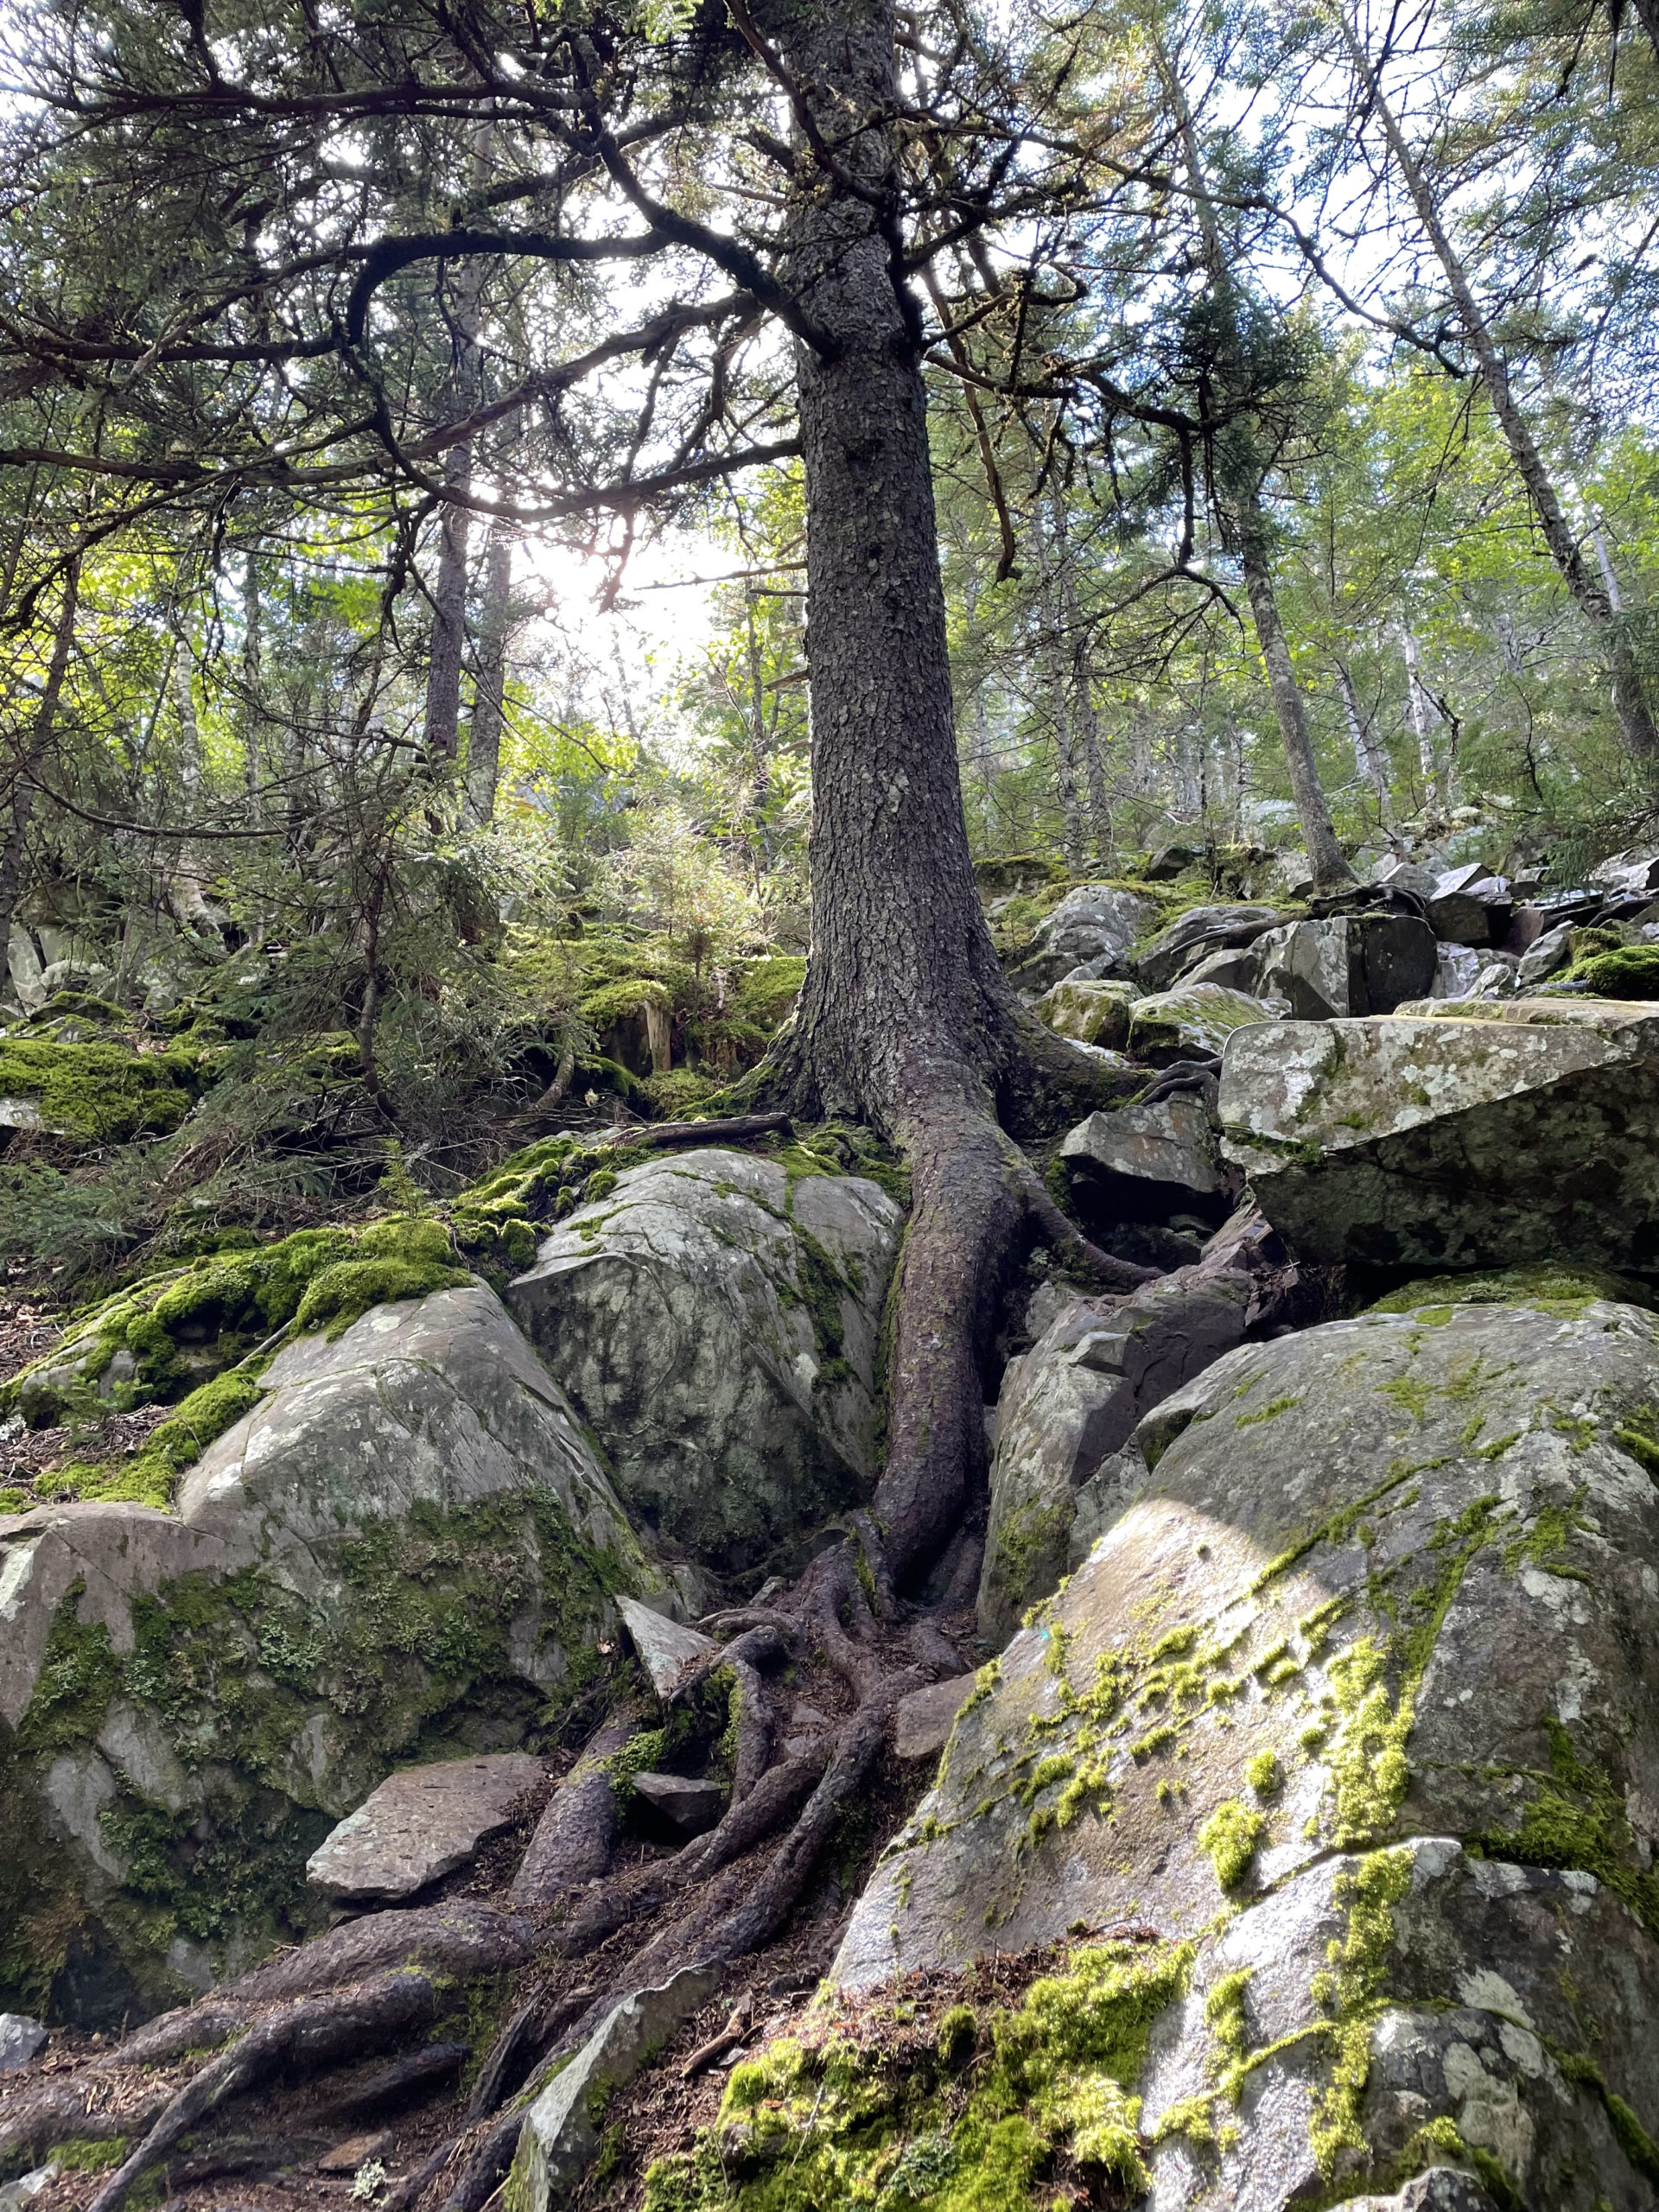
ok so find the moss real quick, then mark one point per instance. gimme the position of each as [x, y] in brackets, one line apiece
[768, 989]
[1355, 1991]
[1568, 1290]
[151, 1476]
[230, 1867]
[641, 1754]
[1270, 1412]
[87, 2154]
[1576, 1818]
[101, 1094]
[1627, 971]
[78, 1677]
[407, 1256]
[816, 2122]
[1230, 1837]
[1263, 1774]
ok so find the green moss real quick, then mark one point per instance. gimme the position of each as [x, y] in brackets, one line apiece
[768, 989]
[641, 1754]
[830, 2121]
[1264, 1774]
[151, 1476]
[78, 1677]
[1576, 1817]
[1230, 1837]
[407, 1256]
[234, 1866]
[1270, 1412]
[1627, 971]
[1355, 1991]
[101, 1094]
[1552, 1287]
[87, 2154]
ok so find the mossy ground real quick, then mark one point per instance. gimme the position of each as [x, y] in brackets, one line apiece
[99, 1094]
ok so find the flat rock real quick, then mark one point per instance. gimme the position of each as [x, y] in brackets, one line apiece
[19, 2039]
[419, 1825]
[925, 1718]
[692, 1807]
[1372, 1639]
[715, 1321]
[1201, 930]
[356, 2150]
[1145, 1162]
[1471, 1135]
[559, 2138]
[663, 1647]
[1192, 1022]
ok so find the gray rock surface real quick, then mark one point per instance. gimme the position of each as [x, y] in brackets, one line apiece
[1071, 1401]
[715, 1323]
[1470, 906]
[1544, 956]
[690, 1806]
[20, 2037]
[1192, 1022]
[1092, 926]
[925, 1718]
[1346, 964]
[1464, 1135]
[663, 1647]
[420, 1824]
[1201, 930]
[1088, 1011]
[407, 1548]
[559, 2138]
[1371, 1656]
[1145, 1162]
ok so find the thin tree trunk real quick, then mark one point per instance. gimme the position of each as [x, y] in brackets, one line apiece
[33, 752]
[1369, 756]
[1249, 527]
[489, 689]
[1630, 702]
[1056, 684]
[1421, 713]
[1324, 852]
[1085, 723]
[188, 871]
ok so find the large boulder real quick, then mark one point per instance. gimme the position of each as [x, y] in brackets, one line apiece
[1200, 931]
[1090, 1012]
[1352, 1719]
[1142, 1163]
[1193, 1022]
[1091, 929]
[1345, 964]
[1071, 1401]
[715, 1318]
[1470, 906]
[406, 1550]
[1473, 1133]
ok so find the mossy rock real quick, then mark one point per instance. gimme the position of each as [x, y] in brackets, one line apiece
[1566, 1289]
[97, 1094]
[1630, 971]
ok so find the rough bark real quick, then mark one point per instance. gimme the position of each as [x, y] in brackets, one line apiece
[1368, 756]
[489, 685]
[1636, 720]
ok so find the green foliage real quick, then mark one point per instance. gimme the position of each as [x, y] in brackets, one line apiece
[77, 1678]
[1549, 1285]
[1629, 972]
[99, 1094]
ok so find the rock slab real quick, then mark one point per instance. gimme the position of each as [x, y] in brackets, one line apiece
[663, 1648]
[1146, 1160]
[1455, 1135]
[420, 1825]
[925, 1718]
[692, 1807]
[19, 2039]
[559, 2138]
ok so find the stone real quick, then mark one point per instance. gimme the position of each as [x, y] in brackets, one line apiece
[19, 2039]
[663, 1647]
[1628, 873]
[23, 965]
[1544, 956]
[1395, 873]
[1093, 924]
[1070, 1402]
[1357, 1697]
[559, 2138]
[1465, 1135]
[407, 1547]
[15, 2195]
[356, 2150]
[1088, 1011]
[1456, 971]
[692, 1807]
[715, 1322]
[1201, 930]
[1346, 964]
[1146, 1162]
[925, 1718]
[1192, 1022]
[1469, 907]
[419, 1825]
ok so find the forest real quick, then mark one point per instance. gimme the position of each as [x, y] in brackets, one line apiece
[777, 777]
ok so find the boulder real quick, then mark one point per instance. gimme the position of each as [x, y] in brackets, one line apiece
[1628, 873]
[1235, 969]
[1088, 1011]
[1093, 925]
[1456, 971]
[663, 1647]
[1071, 1401]
[1346, 964]
[1463, 1135]
[689, 1806]
[419, 1825]
[925, 1718]
[1395, 873]
[21, 2039]
[1144, 1162]
[560, 2139]
[404, 1551]
[1469, 907]
[1193, 1022]
[1349, 1726]
[1201, 930]
[714, 1319]
[1544, 956]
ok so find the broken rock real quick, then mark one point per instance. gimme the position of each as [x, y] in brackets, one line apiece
[663, 1647]
[1201, 930]
[1193, 1022]
[1143, 1162]
[1088, 1011]
[1476, 1134]
[925, 1718]
[421, 1824]
[690, 1806]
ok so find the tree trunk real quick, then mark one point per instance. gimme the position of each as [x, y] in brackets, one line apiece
[1368, 756]
[442, 725]
[489, 689]
[1629, 701]
[905, 1017]
[1419, 712]
[32, 754]
[1330, 868]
